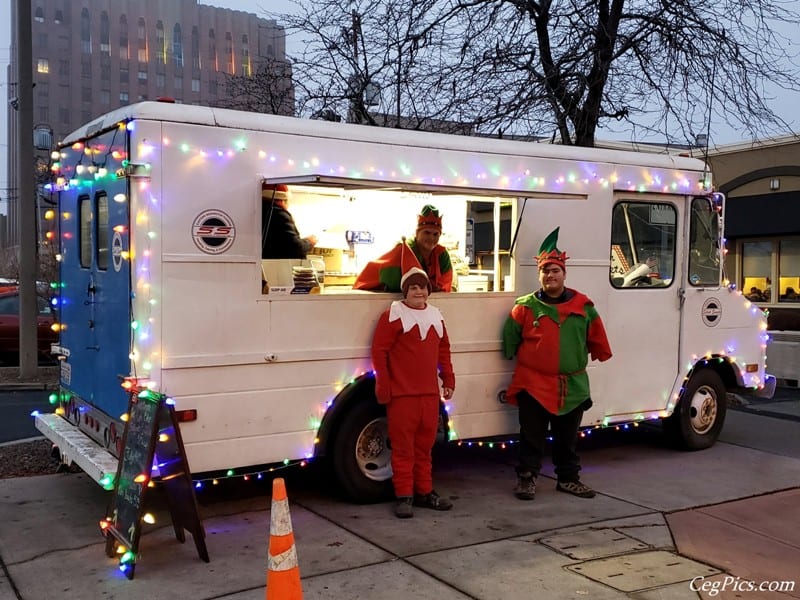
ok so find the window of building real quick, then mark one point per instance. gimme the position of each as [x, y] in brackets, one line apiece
[86, 116]
[43, 66]
[212, 49]
[161, 80]
[142, 55]
[103, 248]
[141, 30]
[161, 43]
[123, 97]
[39, 14]
[142, 76]
[642, 245]
[123, 75]
[63, 67]
[757, 270]
[86, 220]
[229, 52]
[178, 82]
[43, 91]
[124, 52]
[44, 113]
[177, 46]
[105, 97]
[41, 40]
[195, 48]
[86, 32]
[212, 87]
[63, 115]
[789, 270]
[105, 32]
[86, 70]
[86, 94]
[195, 85]
[245, 58]
[105, 72]
[59, 18]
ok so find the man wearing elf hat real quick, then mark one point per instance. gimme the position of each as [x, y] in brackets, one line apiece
[280, 238]
[383, 273]
[410, 351]
[552, 332]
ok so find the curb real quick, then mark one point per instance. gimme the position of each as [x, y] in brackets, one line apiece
[26, 386]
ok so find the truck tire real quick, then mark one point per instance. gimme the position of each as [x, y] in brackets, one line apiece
[698, 418]
[362, 454]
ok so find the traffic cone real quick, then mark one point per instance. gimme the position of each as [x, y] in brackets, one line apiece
[283, 574]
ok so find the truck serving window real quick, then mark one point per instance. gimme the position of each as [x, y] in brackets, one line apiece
[355, 225]
[642, 245]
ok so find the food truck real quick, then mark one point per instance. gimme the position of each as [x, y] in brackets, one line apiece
[162, 282]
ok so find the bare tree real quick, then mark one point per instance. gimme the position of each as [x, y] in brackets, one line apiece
[560, 69]
[267, 90]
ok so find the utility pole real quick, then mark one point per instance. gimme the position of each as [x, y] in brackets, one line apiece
[28, 356]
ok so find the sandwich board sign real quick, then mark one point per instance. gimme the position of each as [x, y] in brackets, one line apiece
[151, 443]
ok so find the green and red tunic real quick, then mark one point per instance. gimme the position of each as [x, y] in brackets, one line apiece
[552, 343]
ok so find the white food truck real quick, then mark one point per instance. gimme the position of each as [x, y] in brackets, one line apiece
[162, 280]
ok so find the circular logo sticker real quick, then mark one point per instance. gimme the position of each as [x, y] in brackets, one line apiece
[711, 312]
[213, 231]
[116, 251]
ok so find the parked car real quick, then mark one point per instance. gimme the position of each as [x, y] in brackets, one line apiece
[9, 328]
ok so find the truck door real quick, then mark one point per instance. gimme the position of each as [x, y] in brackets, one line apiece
[96, 295]
[643, 319]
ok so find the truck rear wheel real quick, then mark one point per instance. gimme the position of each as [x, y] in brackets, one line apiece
[697, 420]
[362, 456]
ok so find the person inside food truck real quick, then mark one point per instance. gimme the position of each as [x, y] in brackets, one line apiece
[384, 273]
[280, 238]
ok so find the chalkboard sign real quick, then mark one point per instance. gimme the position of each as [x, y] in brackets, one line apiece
[151, 433]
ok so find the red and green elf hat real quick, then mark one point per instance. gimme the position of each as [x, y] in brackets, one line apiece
[550, 254]
[429, 218]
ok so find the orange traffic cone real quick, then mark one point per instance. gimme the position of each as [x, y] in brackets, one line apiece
[283, 574]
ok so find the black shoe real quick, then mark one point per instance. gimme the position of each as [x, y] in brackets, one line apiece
[576, 488]
[432, 500]
[403, 508]
[526, 487]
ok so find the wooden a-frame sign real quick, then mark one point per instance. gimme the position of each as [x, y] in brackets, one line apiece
[151, 433]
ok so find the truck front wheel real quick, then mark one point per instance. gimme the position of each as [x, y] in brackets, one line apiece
[698, 418]
[362, 453]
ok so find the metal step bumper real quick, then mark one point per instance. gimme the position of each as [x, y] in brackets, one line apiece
[78, 448]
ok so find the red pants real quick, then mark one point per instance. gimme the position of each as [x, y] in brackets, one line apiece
[413, 421]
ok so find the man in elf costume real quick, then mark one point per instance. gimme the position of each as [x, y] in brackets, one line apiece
[409, 349]
[384, 273]
[552, 332]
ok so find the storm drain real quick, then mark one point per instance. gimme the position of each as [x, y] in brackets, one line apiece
[642, 570]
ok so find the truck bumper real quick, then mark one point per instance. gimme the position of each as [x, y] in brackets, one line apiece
[768, 391]
[77, 448]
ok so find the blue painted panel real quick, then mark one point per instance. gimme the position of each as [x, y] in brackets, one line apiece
[95, 298]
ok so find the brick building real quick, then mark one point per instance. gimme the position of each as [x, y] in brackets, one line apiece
[92, 56]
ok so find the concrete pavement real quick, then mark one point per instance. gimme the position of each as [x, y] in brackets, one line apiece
[662, 519]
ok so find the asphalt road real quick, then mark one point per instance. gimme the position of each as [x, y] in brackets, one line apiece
[16, 407]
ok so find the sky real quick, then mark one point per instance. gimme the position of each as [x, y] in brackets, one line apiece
[783, 105]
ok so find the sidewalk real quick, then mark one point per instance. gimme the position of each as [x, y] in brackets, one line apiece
[661, 520]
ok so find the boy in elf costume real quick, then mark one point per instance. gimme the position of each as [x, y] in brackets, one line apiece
[552, 332]
[409, 349]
